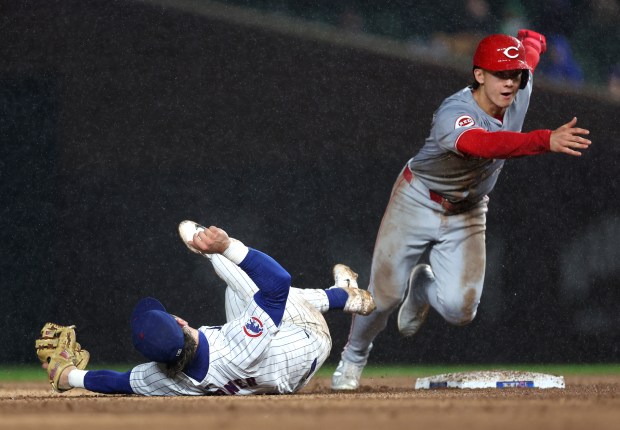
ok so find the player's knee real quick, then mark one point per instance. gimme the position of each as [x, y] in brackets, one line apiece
[463, 318]
[462, 310]
[459, 316]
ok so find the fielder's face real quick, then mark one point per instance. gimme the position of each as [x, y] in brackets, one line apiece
[497, 89]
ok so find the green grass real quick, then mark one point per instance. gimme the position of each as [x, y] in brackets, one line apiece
[22, 373]
[33, 373]
[428, 370]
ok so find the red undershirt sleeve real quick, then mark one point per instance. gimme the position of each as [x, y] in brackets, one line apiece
[532, 54]
[503, 144]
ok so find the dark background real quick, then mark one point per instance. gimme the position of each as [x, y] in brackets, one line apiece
[119, 119]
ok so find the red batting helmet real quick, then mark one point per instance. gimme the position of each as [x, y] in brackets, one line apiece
[500, 52]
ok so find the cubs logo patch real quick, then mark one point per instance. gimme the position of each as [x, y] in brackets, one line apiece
[253, 328]
[464, 121]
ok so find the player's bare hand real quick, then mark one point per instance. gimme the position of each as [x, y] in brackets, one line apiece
[568, 139]
[212, 240]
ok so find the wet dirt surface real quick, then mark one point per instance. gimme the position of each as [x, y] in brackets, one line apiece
[587, 402]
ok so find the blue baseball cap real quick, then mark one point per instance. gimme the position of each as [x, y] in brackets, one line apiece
[156, 333]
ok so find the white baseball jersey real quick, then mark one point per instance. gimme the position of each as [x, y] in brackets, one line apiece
[249, 354]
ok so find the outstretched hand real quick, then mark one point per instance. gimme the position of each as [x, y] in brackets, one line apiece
[212, 240]
[567, 139]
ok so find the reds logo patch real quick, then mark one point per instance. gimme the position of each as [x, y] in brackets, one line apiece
[464, 121]
[511, 52]
[253, 328]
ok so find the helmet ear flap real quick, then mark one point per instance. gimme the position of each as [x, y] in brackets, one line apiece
[525, 77]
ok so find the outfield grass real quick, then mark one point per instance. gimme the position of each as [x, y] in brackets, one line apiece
[428, 370]
[33, 373]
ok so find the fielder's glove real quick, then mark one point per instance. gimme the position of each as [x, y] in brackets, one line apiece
[58, 348]
[533, 39]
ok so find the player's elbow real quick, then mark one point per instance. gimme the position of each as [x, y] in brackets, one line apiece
[281, 283]
[285, 279]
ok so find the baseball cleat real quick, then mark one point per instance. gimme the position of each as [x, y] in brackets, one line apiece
[359, 301]
[187, 230]
[347, 376]
[344, 276]
[413, 310]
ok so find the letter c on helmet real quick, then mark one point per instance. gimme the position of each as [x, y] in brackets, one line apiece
[515, 52]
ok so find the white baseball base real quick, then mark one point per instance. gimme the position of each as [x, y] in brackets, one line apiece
[491, 379]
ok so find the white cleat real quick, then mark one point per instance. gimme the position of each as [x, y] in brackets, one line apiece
[347, 376]
[413, 311]
[359, 301]
[187, 230]
[344, 276]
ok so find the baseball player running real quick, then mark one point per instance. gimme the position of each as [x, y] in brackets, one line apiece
[439, 200]
[274, 341]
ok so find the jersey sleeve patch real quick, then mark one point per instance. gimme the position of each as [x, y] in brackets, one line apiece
[253, 327]
[464, 121]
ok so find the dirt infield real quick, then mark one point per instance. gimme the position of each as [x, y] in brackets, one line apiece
[590, 403]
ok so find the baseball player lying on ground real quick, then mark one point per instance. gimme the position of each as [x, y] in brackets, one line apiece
[274, 341]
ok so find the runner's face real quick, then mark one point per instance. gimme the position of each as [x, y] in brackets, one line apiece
[498, 89]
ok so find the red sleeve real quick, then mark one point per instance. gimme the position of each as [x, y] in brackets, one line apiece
[535, 44]
[532, 54]
[503, 144]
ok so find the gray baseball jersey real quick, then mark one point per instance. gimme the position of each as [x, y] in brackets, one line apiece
[441, 167]
[415, 221]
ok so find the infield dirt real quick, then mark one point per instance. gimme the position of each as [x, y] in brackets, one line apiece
[587, 402]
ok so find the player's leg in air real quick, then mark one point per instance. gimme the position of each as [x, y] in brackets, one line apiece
[302, 312]
[344, 294]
